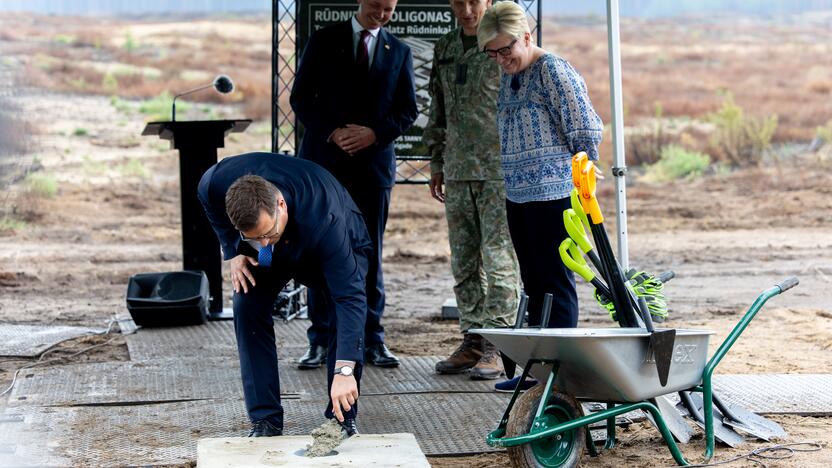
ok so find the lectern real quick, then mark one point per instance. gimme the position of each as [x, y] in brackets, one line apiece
[197, 142]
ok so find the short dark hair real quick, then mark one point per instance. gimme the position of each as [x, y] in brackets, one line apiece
[247, 197]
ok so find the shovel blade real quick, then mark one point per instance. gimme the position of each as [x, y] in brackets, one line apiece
[674, 420]
[722, 432]
[508, 365]
[662, 344]
[751, 423]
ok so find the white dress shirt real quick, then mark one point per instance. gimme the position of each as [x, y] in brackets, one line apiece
[370, 40]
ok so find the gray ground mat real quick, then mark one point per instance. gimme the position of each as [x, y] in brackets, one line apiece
[167, 433]
[194, 379]
[211, 339]
[801, 394]
[32, 340]
[128, 382]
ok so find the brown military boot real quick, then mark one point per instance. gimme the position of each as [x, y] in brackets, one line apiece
[465, 357]
[490, 366]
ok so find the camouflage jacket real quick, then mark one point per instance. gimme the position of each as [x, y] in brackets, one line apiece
[461, 134]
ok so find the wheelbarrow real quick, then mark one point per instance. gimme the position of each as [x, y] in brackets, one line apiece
[546, 426]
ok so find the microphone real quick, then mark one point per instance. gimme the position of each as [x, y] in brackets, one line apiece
[222, 83]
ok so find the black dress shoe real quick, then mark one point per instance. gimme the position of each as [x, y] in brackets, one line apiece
[264, 429]
[314, 357]
[348, 427]
[379, 355]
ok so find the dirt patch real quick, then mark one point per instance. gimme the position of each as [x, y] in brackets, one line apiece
[324, 439]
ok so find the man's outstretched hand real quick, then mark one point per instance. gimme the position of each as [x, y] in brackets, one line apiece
[344, 394]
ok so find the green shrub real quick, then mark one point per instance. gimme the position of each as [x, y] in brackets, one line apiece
[677, 162]
[42, 184]
[65, 39]
[79, 84]
[92, 167]
[80, 131]
[109, 82]
[159, 108]
[740, 140]
[825, 133]
[129, 43]
[11, 224]
[134, 168]
[120, 104]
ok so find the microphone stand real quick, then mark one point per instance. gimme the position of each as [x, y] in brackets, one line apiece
[173, 111]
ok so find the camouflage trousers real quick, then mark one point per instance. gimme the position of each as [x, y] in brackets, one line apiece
[482, 256]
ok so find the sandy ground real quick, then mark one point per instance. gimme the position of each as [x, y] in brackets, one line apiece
[726, 236]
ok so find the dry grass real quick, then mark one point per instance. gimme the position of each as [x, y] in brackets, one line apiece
[134, 59]
[771, 66]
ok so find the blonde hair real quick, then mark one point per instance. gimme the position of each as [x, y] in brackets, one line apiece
[504, 17]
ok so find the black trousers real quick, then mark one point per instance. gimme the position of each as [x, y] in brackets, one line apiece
[254, 328]
[374, 203]
[536, 231]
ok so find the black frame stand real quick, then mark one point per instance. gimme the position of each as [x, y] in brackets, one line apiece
[197, 142]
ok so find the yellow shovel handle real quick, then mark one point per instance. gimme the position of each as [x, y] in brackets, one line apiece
[579, 160]
[587, 189]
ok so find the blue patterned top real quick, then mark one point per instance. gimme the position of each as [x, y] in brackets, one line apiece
[542, 123]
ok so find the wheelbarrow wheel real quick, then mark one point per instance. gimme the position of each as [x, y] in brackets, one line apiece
[563, 450]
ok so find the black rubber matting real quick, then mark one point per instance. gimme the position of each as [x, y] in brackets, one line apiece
[194, 379]
[444, 424]
[32, 340]
[208, 340]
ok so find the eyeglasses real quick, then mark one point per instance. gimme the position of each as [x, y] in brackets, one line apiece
[275, 235]
[502, 51]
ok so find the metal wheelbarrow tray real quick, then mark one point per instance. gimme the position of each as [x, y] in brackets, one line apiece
[604, 364]
[613, 365]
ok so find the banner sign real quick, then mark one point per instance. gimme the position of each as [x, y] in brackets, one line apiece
[418, 23]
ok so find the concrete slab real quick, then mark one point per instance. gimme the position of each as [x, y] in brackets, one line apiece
[393, 450]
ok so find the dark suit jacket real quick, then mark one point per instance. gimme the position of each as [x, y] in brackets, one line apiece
[330, 91]
[324, 229]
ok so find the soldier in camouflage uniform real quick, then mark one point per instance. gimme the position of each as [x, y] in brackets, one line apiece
[465, 157]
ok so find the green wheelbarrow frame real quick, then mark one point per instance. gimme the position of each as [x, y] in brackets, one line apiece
[543, 429]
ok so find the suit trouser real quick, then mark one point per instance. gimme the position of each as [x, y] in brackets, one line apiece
[374, 203]
[537, 230]
[254, 328]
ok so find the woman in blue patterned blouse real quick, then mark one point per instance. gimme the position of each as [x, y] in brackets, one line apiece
[544, 116]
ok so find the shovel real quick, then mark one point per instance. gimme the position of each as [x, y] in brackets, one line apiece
[674, 420]
[625, 301]
[572, 258]
[508, 364]
[572, 222]
[723, 433]
[615, 280]
[661, 342]
[746, 421]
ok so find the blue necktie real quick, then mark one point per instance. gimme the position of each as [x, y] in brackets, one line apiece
[264, 256]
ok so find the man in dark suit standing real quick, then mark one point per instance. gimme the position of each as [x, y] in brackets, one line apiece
[280, 218]
[354, 94]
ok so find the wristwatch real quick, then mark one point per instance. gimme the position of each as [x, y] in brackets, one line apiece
[346, 371]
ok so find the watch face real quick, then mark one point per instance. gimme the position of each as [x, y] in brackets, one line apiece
[346, 370]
